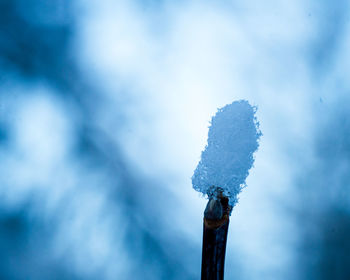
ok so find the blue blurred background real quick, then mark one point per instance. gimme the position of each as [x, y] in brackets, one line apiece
[104, 111]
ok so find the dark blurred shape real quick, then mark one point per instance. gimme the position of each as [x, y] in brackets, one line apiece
[332, 20]
[23, 250]
[35, 45]
[35, 37]
[324, 217]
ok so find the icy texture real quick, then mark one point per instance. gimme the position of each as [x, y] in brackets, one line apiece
[232, 139]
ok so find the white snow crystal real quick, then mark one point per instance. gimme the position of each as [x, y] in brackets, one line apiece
[232, 139]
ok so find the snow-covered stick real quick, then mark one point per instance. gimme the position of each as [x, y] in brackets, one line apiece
[220, 175]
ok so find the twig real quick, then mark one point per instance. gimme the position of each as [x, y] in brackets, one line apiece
[215, 229]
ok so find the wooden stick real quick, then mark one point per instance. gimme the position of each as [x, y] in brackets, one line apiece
[215, 229]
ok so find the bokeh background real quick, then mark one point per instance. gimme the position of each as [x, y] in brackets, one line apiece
[104, 111]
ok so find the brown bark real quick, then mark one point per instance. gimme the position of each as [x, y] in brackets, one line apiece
[215, 229]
